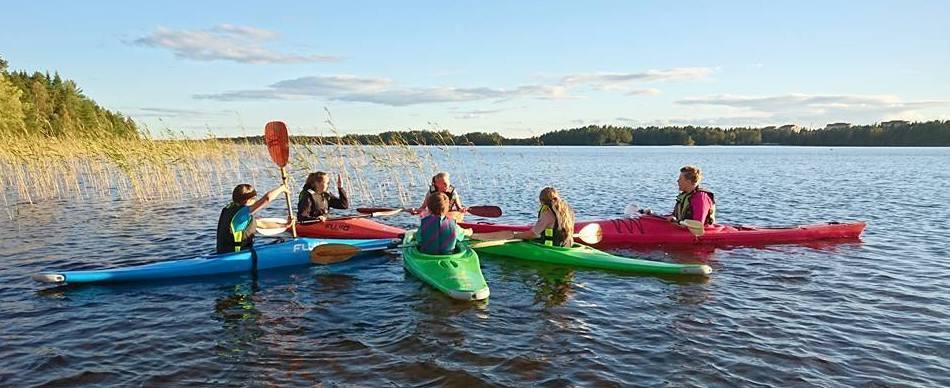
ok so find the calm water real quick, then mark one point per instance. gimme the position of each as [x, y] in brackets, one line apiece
[868, 313]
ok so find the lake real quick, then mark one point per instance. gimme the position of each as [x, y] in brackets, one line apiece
[874, 312]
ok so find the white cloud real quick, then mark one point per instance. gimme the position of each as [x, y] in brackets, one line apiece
[477, 113]
[225, 42]
[625, 82]
[385, 92]
[381, 91]
[818, 108]
[643, 92]
[175, 112]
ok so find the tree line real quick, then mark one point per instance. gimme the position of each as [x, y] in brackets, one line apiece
[38, 104]
[929, 133]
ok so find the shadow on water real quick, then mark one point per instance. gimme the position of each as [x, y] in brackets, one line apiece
[709, 254]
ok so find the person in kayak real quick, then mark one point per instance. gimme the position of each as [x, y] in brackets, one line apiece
[236, 224]
[438, 233]
[314, 201]
[555, 225]
[693, 202]
[442, 184]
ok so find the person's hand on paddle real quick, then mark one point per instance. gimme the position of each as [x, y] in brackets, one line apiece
[322, 218]
[339, 182]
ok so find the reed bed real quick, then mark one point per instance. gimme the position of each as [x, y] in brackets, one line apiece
[34, 169]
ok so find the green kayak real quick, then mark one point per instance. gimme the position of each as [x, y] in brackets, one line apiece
[584, 256]
[459, 275]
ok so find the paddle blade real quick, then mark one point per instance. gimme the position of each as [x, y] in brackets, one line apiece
[278, 143]
[695, 227]
[485, 211]
[485, 244]
[332, 253]
[371, 210]
[591, 234]
[271, 226]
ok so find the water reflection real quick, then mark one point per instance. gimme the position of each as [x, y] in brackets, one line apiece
[553, 286]
[240, 318]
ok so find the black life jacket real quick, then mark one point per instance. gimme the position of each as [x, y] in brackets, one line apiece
[229, 239]
[552, 236]
[683, 210]
[321, 204]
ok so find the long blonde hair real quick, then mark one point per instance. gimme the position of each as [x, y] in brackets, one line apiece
[562, 210]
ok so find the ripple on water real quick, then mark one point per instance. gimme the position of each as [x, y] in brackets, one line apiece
[849, 313]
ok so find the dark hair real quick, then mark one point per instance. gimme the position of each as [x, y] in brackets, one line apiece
[242, 193]
[438, 203]
[313, 178]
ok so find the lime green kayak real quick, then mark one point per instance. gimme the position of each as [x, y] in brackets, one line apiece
[584, 256]
[458, 275]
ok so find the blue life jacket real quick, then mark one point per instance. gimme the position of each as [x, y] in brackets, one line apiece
[437, 235]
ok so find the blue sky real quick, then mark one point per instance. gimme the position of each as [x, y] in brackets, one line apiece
[519, 68]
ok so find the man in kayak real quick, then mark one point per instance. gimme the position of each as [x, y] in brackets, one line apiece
[555, 225]
[693, 202]
[442, 184]
[438, 234]
[236, 224]
[314, 201]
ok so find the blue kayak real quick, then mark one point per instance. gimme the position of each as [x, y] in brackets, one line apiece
[282, 254]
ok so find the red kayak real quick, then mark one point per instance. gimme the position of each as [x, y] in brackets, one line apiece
[647, 230]
[352, 228]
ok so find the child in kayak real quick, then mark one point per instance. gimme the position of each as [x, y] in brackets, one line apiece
[314, 201]
[442, 184]
[438, 234]
[555, 225]
[236, 224]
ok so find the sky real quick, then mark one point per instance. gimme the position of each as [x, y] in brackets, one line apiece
[520, 68]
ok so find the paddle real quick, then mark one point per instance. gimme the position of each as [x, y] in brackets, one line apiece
[590, 234]
[335, 253]
[278, 145]
[488, 211]
[332, 253]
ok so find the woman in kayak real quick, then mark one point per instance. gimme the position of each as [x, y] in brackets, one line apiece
[442, 184]
[438, 234]
[693, 201]
[236, 224]
[314, 201]
[555, 225]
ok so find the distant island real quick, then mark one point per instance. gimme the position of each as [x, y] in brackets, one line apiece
[891, 133]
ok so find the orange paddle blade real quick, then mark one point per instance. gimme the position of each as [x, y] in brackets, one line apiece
[332, 253]
[278, 143]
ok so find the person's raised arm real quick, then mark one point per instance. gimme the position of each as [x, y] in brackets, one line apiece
[268, 198]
